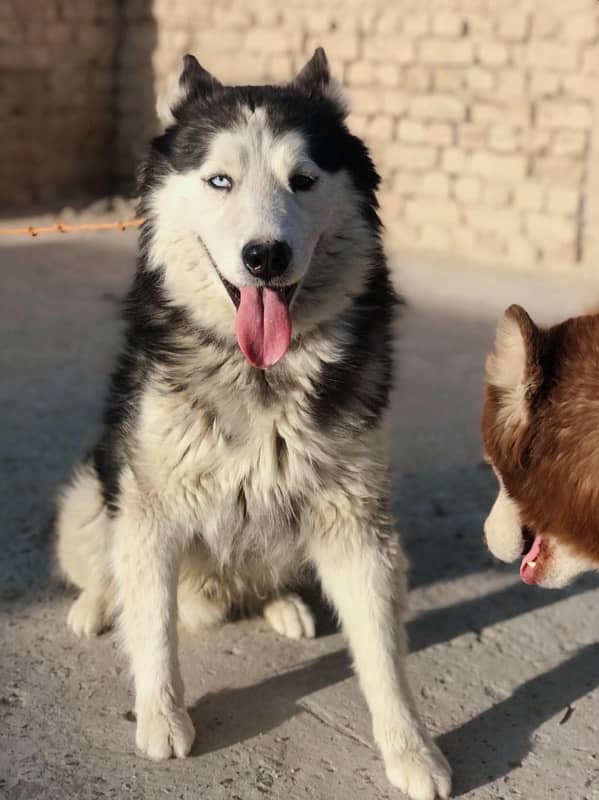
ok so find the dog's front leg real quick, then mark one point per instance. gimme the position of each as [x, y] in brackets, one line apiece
[146, 562]
[364, 577]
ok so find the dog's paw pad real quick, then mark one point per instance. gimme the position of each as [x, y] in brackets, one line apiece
[422, 774]
[87, 616]
[290, 617]
[163, 733]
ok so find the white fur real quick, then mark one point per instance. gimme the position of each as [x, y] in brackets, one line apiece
[503, 530]
[506, 369]
[208, 505]
[562, 565]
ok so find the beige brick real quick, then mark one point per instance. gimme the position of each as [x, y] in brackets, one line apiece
[434, 184]
[443, 212]
[529, 196]
[590, 60]
[546, 23]
[493, 54]
[454, 161]
[517, 114]
[319, 21]
[447, 24]
[280, 68]
[513, 26]
[496, 195]
[230, 16]
[472, 136]
[365, 101]
[406, 182]
[512, 84]
[553, 55]
[563, 201]
[480, 24]
[380, 127]
[343, 45]
[416, 24]
[389, 20]
[542, 229]
[581, 27]
[417, 78]
[467, 190]
[440, 133]
[488, 220]
[436, 107]
[563, 114]
[578, 85]
[410, 130]
[434, 237]
[463, 239]
[389, 48]
[358, 123]
[480, 80]
[402, 234]
[393, 102]
[501, 168]
[504, 139]
[416, 131]
[265, 40]
[448, 80]
[544, 83]
[360, 73]
[415, 157]
[520, 251]
[569, 143]
[446, 51]
[538, 141]
[558, 170]
[388, 75]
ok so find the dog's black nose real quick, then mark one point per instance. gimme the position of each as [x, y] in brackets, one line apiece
[266, 260]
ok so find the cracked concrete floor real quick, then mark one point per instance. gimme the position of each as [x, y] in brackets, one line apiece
[507, 676]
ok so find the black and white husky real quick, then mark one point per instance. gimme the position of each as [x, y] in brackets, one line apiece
[246, 435]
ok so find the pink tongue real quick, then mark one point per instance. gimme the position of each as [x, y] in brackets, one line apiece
[263, 326]
[527, 573]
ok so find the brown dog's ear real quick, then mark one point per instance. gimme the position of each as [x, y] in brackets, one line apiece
[193, 80]
[314, 79]
[513, 366]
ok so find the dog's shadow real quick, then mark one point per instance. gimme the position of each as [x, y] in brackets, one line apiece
[494, 743]
[482, 750]
[232, 716]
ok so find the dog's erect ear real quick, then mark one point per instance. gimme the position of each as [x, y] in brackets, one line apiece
[514, 365]
[314, 79]
[193, 81]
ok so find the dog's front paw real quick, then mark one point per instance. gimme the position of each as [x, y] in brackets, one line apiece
[163, 732]
[421, 773]
[290, 617]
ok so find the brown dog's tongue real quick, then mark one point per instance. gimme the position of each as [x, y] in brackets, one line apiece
[263, 326]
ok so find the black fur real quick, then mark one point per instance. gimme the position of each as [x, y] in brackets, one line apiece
[352, 392]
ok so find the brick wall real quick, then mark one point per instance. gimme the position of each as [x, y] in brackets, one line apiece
[479, 113]
[482, 115]
[56, 100]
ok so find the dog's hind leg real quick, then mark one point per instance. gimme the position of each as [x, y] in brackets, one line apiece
[202, 599]
[82, 550]
[290, 617]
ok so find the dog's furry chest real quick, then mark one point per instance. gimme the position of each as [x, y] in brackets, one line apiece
[240, 473]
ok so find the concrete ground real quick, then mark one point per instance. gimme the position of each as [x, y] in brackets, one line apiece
[507, 676]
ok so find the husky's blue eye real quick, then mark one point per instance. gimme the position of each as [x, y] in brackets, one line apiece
[220, 182]
[301, 183]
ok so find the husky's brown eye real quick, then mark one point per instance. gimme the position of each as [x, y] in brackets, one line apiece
[301, 183]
